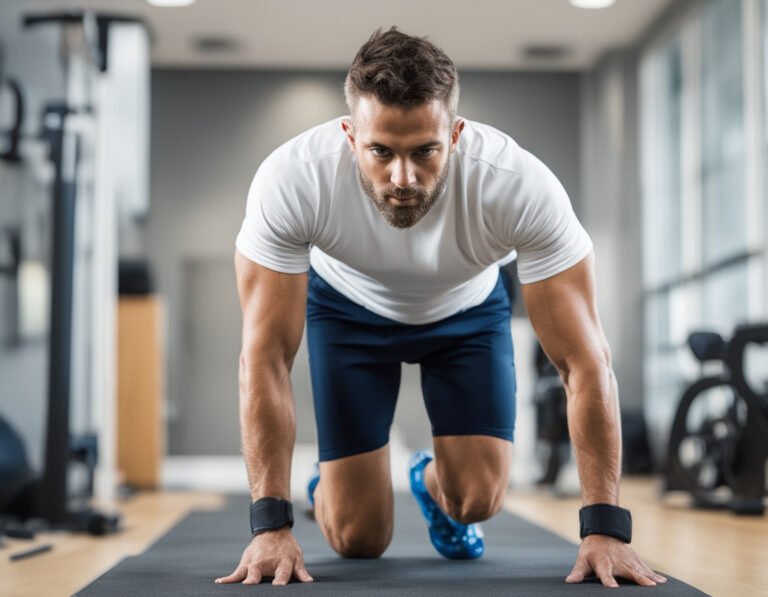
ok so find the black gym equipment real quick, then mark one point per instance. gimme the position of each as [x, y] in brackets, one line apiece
[719, 456]
[49, 498]
[12, 154]
[15, 472]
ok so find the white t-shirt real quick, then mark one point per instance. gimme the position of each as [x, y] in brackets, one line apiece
[306, 206]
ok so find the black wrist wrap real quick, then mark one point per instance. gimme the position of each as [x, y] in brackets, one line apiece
[605, 519]
[270, 514]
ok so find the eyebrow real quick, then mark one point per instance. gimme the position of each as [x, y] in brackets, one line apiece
[428, 145]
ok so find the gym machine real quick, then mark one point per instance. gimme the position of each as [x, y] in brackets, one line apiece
[718, 445]
[82, 129]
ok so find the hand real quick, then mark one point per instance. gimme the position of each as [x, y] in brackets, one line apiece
[275, 553]
[605, 557]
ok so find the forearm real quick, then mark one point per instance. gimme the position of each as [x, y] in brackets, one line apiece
[595, 430]
[267, 424]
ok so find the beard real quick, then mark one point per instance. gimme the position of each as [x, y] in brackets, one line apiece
[404, 216]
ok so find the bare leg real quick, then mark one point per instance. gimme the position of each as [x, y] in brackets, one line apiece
[468, 477]
[354, 505]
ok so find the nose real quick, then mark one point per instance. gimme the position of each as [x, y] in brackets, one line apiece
[403, 173]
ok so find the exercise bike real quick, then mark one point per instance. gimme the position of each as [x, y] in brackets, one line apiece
[718, 446]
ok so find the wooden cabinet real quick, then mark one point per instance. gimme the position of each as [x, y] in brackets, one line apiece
[141, 390]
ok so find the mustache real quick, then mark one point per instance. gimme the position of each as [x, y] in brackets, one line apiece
[405, 192]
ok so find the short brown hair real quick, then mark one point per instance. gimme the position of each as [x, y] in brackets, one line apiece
[402, 70]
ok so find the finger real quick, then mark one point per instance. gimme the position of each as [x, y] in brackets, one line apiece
[637, 575]
[654, 575]
[645, 572]
[300, 572]
[648, 578]
[254, 576]
[580, 570]
[607, 579]
[238, 575]
[283, 573]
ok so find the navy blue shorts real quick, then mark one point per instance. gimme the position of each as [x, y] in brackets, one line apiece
[355, 358]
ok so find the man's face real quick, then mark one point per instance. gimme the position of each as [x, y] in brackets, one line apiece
[402, 155]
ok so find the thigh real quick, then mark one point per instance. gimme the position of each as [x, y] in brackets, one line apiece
[468, 374]
[355, 382]
[469, 384]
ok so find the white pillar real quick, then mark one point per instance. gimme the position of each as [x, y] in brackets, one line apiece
[121, 189]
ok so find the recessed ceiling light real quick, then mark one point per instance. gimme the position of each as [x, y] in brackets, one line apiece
[171, 3]
[216, 44]
[592, 3]
[545, 51]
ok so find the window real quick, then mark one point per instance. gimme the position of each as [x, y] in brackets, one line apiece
[702, 269]
[662, 226]
[722, 124]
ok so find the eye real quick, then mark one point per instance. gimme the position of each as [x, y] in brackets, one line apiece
[380, 152]
[426, 152]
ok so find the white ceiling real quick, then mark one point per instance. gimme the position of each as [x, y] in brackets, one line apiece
[324, 34]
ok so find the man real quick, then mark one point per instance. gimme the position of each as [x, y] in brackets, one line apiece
[386, 229]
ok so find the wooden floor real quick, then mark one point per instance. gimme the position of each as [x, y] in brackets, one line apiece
[721, 554]
[76, 560]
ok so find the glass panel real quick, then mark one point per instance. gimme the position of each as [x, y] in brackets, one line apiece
[723, 169]
[657, 322]
[663, 185]
[725, 298]
[763, 199]
[765, 81]
[679, 316]
[664, 385]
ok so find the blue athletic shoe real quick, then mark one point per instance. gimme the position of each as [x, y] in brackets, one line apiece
[312, 484]
[453, 540]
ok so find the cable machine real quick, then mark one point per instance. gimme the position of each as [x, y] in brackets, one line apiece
[99, 169]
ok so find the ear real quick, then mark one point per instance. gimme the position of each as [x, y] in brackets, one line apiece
[349, 131]
[458, 126]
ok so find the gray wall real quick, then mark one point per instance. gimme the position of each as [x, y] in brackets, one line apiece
[210, 132]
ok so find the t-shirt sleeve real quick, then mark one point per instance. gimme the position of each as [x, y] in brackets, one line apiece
[544, 230]
[276, 231]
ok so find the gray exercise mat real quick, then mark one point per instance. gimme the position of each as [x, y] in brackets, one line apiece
[520, 559]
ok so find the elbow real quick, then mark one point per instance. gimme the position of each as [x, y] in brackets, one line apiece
[587, 369]
[262, 367]
[270, 354]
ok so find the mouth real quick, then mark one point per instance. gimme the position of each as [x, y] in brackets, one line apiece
[403, 201]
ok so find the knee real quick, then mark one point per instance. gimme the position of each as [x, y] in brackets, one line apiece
[468, 508]
[358, 536]
[359, 543]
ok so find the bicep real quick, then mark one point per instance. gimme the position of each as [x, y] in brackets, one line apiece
[273, 306]
[563, 312]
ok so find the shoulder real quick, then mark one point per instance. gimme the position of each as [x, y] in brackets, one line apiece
[304, 165]
[483, 145]
[321, 143]
[500, 162]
